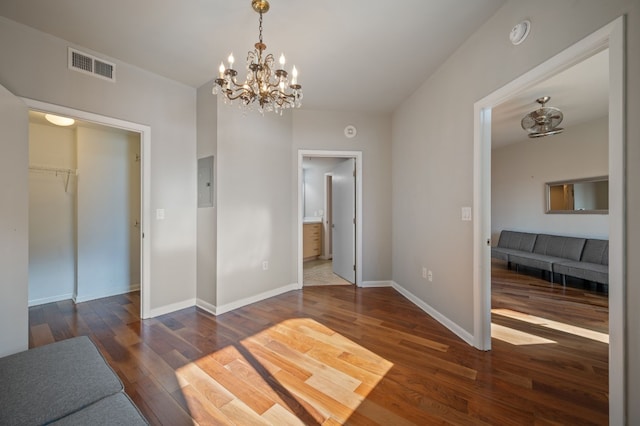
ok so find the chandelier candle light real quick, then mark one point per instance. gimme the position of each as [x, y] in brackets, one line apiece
[272, 90]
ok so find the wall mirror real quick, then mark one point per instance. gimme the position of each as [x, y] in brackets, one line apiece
[581, 196]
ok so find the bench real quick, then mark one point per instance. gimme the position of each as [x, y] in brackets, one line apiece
[583, 258]
[63, 383]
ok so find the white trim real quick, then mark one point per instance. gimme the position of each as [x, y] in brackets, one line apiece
[372, 284]
[340, 154]
[218, 310]
[612, 37]
[112, 292]
[173, 307]
[432, 312]
[206, 306]
[52, 299]
[145, 165]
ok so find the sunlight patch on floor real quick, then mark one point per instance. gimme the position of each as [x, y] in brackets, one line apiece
[517, 337]
[554, 325]
[299, 359]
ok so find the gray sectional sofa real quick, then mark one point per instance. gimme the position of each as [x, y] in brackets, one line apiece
[583, 258]
[64, 383]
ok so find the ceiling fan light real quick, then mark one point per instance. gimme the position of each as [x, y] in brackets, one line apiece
[544, 121]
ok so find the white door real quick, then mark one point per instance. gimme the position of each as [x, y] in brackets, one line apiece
[343, 214]
[14, 223]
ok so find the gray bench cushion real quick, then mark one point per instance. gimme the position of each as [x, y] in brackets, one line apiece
[587, 271]
[503, 253]
[114, 410]
[52, 381]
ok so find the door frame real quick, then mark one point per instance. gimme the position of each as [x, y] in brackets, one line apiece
[327, 238]
[145, 179]
[358, 240]
[612, 37]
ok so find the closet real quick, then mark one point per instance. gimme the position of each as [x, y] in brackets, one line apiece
[84, 211]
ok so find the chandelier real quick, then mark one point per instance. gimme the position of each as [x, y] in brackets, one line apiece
[271, 90]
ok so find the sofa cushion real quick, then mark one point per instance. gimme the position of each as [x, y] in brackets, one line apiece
[587, 271]
[596, 251]
[49, 382]
[114, 410]
[562, 247]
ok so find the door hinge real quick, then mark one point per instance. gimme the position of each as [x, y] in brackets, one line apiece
[354, 267]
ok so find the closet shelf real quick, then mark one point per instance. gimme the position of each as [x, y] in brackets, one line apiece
[65, 173]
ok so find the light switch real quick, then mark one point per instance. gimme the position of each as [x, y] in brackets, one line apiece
[466, 213]
[160, 214]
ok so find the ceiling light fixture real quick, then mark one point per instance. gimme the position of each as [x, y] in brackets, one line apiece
[58, 120]
[544, 121]
[272, 90]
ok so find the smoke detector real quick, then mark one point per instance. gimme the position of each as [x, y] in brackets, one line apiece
[520, 32]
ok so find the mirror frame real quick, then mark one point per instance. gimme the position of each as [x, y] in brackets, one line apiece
[548, 186]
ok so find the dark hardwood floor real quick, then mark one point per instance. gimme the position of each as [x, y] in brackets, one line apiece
[342, 355]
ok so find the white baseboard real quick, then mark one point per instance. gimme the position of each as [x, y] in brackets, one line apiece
[371, 284]
[218, 310]
[109, 293]
[452, 326]
[206, 306]
[44, 300]
[167, 309]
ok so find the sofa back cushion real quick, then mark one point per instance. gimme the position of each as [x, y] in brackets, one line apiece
[555, 245]
[517, 240]
[596, 251]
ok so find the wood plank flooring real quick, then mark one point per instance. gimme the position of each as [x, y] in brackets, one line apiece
[341, 355]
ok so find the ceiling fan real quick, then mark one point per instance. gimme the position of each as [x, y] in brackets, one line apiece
[544, 121]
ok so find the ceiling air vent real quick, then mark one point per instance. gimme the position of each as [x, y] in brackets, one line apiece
[89, 64]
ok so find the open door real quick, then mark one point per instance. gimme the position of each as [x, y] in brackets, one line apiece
[343, 214]
[14, 224]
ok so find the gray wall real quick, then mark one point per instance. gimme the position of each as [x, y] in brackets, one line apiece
[433, 154]
[519, 172]
[314, 183]
[254, 199]
[167, 107]
[52, 217]
[14, 224]
[207, 123]
[108, 174]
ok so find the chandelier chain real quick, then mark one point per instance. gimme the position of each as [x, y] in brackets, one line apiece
[260, 28]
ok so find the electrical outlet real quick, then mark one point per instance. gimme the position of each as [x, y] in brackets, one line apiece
[265, 265]
[424, 272]
[430, 276]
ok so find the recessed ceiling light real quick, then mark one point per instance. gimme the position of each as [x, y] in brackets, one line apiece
[58, 120]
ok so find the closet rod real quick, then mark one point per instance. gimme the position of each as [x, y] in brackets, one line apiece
[56, 170]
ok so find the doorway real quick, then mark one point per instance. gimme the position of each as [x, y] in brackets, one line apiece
[610, 37]
[143, 224]
[329, 215]
[84, 214]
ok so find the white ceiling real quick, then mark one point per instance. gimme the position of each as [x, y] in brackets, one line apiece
[580, 92]
[352, 54]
